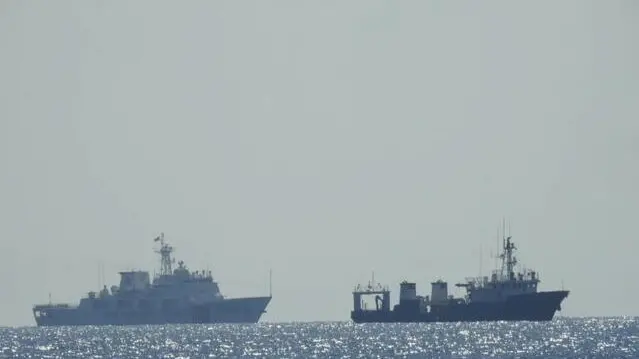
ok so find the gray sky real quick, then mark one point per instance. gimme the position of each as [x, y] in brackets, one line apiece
[320, 139]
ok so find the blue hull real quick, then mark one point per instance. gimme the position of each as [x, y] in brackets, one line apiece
[540, 306]
[235, 310]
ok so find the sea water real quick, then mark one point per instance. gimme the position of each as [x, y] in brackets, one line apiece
[560, 338]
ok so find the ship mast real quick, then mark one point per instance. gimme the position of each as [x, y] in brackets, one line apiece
[165, 255]
[508, 260]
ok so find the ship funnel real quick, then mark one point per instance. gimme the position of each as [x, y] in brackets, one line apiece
[407, 291]
[439, 292]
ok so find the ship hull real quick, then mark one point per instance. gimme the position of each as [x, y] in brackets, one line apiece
[539, 306]
[233, 310]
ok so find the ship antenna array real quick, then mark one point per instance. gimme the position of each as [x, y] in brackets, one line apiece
[165, 255]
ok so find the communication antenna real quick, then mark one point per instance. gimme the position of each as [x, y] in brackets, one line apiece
[270, 282]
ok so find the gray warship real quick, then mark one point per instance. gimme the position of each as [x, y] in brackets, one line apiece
[506, 295]
[174, 296]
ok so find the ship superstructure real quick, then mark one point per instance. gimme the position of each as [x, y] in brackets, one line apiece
[507, 295]
[176, 295]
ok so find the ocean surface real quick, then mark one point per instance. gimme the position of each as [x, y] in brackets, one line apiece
[561, 338]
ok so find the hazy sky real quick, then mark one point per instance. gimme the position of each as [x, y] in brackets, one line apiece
[321, 139]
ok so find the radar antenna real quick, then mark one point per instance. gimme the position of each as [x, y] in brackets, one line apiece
[165, 255]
